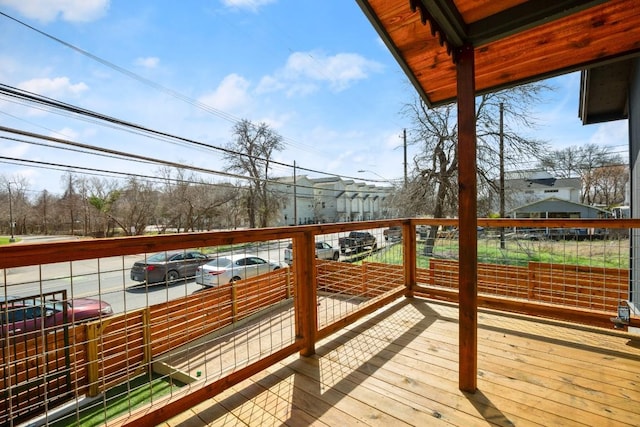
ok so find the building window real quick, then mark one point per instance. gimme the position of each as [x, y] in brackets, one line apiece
[550, 191]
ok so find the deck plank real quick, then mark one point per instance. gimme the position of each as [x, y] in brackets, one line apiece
[399, 366]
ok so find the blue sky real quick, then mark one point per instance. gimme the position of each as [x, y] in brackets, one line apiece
[316, 72]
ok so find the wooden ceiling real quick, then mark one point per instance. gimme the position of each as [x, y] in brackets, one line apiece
[515, 41]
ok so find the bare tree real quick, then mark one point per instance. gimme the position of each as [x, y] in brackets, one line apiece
[16, 206]
[103, 196]
[42, 213]
[251, 152]
[609, 184]
[176, 199]
[133, 209]
[585, 162]
[70, 201]
[434, 181]
[435, 170]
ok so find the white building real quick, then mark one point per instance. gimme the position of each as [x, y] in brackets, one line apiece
[325, 200]
[530, 186]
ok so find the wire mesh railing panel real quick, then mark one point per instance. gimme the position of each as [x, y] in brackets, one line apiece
[138, 327]
[150, 326]
[369, 264]
[586, 268]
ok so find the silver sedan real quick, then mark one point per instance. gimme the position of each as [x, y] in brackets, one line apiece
[226, 269]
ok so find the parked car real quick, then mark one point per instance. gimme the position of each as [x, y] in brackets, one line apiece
[357, 241]
[168, 266]
[24, 315]
[323, 251]
[226, 269]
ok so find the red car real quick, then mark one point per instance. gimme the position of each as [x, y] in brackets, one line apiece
[25, 315]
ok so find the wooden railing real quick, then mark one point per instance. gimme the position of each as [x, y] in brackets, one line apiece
[115, 349]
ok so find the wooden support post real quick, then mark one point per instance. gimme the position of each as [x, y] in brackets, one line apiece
[467, 213]
[409, 257]
[306, 294]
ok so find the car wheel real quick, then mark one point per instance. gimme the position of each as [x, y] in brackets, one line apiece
[235, 279]
[172, 276]
[336, 256]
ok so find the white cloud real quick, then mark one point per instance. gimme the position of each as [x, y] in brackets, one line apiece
[148, 62]
[614, 133]
[252, 5]
[68, 10]
[305, 71]
[230, 95]
[66, 133]
[55, 87]
[16, 150]
[339, 161]
[393, 141]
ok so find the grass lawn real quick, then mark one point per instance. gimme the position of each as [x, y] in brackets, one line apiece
[595, 253]
[118, 400]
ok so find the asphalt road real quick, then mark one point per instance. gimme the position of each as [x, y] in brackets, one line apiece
[108, 278]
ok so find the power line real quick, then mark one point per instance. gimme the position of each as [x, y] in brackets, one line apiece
[126, 156]
[24, 95]
[205, 107]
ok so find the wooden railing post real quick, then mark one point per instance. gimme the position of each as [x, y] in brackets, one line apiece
[409, 258]
[306, 294]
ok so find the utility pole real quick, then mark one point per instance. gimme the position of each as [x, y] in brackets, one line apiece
[404, 137]
[12, 238]
[502, 213]
[295, 198]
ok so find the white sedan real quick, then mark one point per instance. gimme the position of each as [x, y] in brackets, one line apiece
[323, 251]
[226, 269]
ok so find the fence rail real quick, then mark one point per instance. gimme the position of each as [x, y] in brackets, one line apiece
[301, 304]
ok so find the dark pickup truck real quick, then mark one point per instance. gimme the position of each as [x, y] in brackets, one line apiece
[393, 233]
[357, 241]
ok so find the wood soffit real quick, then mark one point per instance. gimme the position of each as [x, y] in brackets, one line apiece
[515, 41]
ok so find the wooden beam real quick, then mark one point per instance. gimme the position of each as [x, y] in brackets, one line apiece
[409, 256]
[306, 293]
[467, 213]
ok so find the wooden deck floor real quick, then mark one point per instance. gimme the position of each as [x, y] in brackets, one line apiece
[399, 366]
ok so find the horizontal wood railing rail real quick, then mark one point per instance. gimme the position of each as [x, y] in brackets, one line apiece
[101, 362]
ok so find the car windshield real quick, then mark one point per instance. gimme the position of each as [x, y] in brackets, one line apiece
[220, 262]
[159, 257]
[51, 304]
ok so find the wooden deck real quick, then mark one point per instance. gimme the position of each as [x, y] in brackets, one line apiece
[399, 366]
